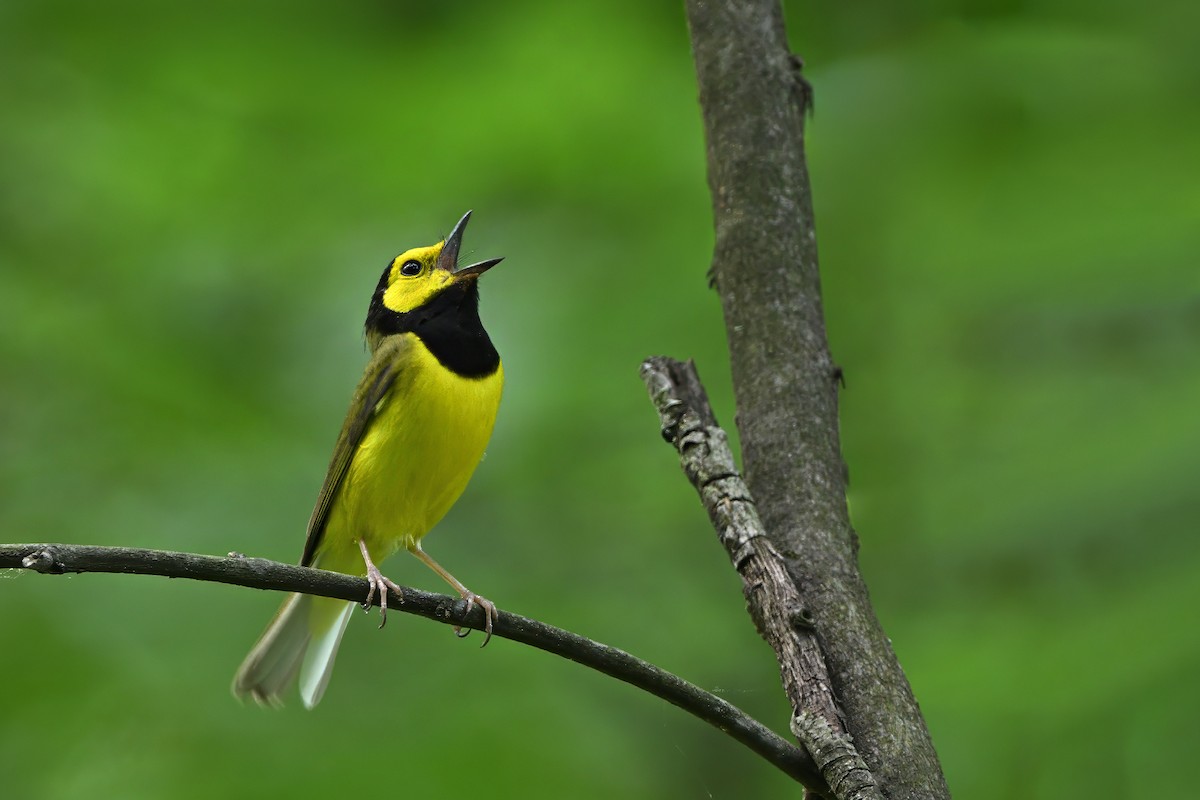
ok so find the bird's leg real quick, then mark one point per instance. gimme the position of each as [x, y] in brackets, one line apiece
[378, 583]
[489, 608]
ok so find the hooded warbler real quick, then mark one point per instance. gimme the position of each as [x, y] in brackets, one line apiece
[417, 427]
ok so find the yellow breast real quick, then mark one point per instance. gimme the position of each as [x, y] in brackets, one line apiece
[428, 435]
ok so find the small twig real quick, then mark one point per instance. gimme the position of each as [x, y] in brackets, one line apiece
[844, 769]
[260, 573]
[689, 424]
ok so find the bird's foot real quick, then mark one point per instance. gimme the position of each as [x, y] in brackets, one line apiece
[489, 608]
[489, 613]
[378, 582]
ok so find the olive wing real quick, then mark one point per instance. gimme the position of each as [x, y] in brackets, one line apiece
[380, 375]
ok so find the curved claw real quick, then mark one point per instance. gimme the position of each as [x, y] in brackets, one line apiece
[459, 631]
[489, 614]
[380, 583]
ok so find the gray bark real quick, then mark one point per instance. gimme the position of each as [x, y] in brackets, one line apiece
[785, 381]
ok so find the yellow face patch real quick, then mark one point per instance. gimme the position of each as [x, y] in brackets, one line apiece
[413, 278]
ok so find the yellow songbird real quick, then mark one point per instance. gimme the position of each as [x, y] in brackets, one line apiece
[417, 427]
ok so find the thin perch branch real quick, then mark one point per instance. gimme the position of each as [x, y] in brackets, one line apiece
[260, 573]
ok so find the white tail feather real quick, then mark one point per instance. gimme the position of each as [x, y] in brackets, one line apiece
[318, 661]
[302, 639]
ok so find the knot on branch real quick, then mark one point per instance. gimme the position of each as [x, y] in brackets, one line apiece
[802, 619]
[672, 412]
[44, 560]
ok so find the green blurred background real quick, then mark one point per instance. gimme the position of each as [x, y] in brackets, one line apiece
[196, 201]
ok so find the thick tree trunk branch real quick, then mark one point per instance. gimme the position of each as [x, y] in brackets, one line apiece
[765, 269]
[259, 573]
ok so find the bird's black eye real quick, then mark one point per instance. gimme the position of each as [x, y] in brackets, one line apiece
[410, 268]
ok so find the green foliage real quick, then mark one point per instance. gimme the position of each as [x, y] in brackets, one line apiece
[196, 201]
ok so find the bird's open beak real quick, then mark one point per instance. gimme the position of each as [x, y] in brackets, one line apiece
[448, 258]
